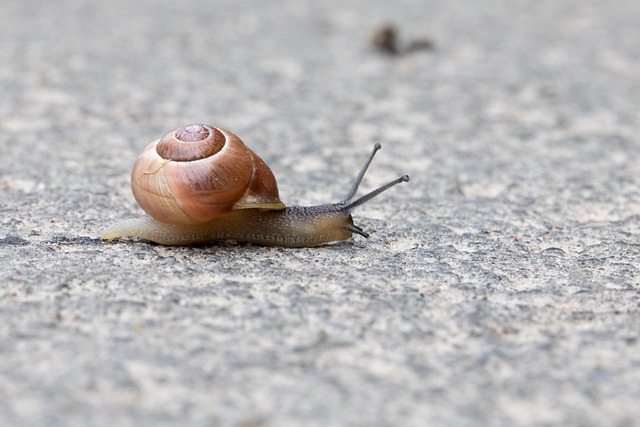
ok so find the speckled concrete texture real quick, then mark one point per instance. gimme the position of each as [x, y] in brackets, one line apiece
[499, 287]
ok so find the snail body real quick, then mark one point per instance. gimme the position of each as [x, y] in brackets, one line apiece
[201, 184]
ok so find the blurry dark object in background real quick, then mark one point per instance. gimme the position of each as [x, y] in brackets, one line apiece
[385, 39]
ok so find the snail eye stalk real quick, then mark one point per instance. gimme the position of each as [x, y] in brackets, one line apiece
[347, 204]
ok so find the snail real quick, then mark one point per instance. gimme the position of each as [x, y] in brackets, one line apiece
[201, 184]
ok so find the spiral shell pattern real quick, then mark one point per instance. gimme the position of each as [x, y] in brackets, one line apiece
[197, 173]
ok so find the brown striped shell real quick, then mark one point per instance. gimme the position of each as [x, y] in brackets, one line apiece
[196, 173]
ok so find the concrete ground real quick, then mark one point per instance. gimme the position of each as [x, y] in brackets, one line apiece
[499, 287]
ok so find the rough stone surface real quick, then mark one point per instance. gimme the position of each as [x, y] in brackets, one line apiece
[499, 287]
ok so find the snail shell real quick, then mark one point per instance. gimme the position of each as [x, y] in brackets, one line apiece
[197, 173]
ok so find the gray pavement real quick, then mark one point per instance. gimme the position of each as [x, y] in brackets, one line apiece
[499, 287]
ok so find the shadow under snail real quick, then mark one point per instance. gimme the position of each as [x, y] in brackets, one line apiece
[201, 184]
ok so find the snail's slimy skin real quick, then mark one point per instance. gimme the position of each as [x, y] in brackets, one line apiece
[292, 227]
